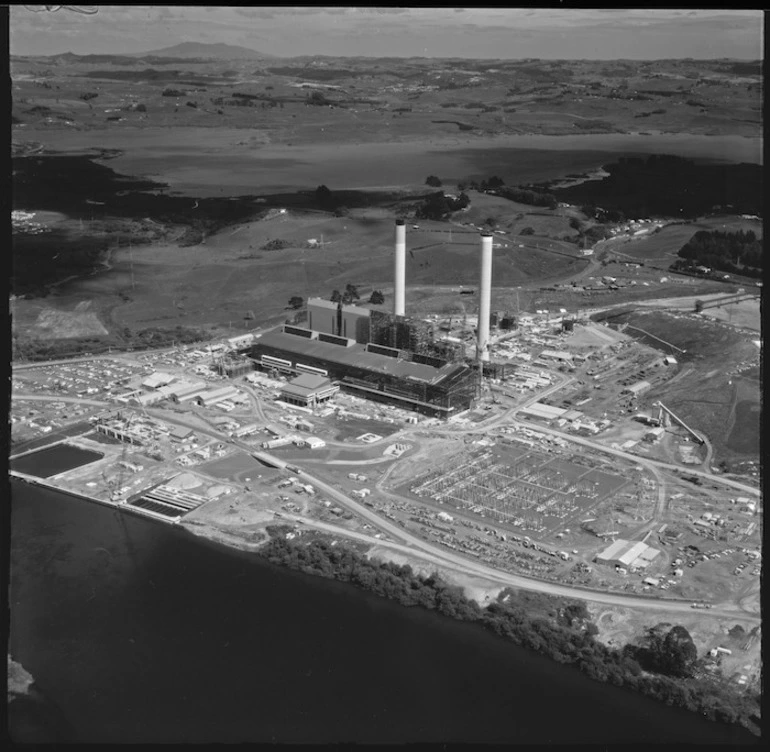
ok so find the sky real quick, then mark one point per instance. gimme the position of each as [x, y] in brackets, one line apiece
[513, 33]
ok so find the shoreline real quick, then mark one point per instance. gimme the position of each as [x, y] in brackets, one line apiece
[476, 596]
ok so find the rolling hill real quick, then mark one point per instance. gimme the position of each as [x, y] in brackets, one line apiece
[218, 51]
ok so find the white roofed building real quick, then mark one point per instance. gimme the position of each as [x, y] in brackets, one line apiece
[157, 379]
[627, 554]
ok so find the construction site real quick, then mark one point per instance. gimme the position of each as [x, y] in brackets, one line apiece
[539, 443]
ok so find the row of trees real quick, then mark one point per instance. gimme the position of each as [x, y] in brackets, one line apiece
[562, 632]
[438, 206]
[351, 294]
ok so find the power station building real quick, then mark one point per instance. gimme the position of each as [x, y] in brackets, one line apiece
[386, 357]
[383, 374]
[340, 320]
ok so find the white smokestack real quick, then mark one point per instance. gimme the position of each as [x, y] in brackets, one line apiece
[400, 269]
[485, 294]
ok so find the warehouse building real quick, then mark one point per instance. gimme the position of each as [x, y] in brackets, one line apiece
[214, 396]
[545, 412]
[409, 380]
[157, 379]
[149, 398]
[308, 390]
[181, 433]
[627, 554]
[640, 387]
[560, 356]
[184, 392]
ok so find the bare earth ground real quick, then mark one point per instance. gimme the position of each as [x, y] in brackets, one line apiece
[620, 626]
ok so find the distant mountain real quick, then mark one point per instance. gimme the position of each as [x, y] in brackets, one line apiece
[199, 50]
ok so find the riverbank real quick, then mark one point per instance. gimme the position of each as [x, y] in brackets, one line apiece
[123, 598]
[476, 596]
[555, 627]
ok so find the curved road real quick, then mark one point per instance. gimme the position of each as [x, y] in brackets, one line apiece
[415, 545]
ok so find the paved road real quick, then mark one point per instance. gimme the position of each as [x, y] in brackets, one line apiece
[443, 558]
[416, 546]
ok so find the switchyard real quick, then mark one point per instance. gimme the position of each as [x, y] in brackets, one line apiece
[525, 489]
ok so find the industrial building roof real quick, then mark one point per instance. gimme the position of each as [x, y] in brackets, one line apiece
[154, 380]
[309, 381]
[305, 385]
[354, 356]
[219, 394]
[640, 386]
[556, 354]
[322, 303]
[539, 410]
[625, 553]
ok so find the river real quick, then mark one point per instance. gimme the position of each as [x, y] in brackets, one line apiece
[137, 632]
[202, 162]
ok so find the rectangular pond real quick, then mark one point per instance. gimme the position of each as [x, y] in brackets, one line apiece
[50, 461]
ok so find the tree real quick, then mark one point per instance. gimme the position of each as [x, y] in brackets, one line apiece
[528, 231]
[377, 298]
[350, 294]
[679, 653]
[316, 98]
[436, 207]
[296, 302]
[336, 296]
[698, 306]
[433, 181]
[493, 183]
[672, 653]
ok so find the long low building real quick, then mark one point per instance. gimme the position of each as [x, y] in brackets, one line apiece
[539, 410]
[214, 396]
[385, 374]
[157, 379]
[640, 387]
[627, 554]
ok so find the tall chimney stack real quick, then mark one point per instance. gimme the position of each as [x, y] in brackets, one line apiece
[400, 269]
[485, 294]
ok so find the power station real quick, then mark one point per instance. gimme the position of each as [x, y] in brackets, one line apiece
[387, 357]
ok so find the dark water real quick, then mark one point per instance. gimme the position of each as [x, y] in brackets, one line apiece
[56, 459]
[137, 632]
